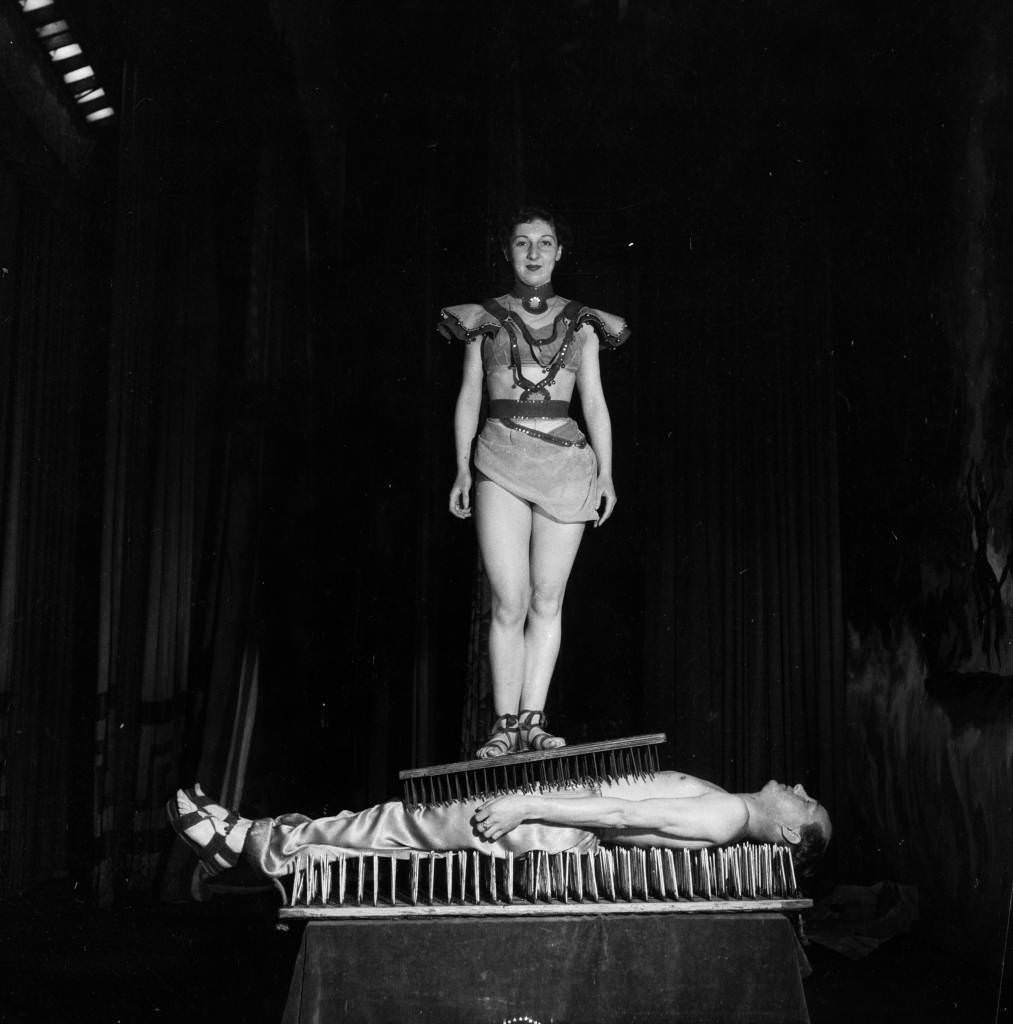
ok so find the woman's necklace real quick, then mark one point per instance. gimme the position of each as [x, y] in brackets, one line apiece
[534, 298]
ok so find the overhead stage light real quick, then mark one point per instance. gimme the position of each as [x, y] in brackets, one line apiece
[63, 52]
[78, 74]
[52, 28]
[68, 58]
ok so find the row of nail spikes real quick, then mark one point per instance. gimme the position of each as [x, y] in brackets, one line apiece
[581, 770]
[609, 874]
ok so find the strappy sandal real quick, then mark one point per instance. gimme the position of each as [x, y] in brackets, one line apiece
[530, 720]
[504, 738]
[216, 846]
[202, 802]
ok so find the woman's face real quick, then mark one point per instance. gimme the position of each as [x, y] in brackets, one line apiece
[534, 252]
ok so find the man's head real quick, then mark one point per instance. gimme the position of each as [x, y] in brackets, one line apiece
[796, 818]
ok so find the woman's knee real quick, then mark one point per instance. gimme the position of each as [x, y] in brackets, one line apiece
[546, 602]
[510, 609]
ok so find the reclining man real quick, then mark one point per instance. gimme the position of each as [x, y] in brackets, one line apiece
[668, 809]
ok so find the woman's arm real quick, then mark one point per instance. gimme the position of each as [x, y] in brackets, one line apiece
[596, 416]
[469, 401]
[713, 817]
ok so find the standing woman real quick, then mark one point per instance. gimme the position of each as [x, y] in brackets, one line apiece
[537, 480]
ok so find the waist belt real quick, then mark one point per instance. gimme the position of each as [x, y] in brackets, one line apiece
[542, 436]
[506, 408]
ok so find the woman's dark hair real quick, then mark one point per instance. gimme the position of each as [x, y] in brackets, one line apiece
[523, 214]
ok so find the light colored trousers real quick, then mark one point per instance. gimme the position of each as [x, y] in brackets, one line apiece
[388, 828]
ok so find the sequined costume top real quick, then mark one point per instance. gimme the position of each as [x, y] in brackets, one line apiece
[474, 322]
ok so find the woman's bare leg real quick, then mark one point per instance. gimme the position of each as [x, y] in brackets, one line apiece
[553, 550]
[503, 525]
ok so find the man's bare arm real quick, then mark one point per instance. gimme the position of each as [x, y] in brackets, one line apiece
[709, 818]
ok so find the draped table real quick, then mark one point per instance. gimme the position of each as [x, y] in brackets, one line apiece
[679, 967]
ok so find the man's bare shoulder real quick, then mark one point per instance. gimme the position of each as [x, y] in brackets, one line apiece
[710, 817]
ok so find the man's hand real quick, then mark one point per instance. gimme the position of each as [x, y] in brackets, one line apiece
[497, 817]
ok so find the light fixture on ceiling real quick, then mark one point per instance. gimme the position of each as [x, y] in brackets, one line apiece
[68, 58]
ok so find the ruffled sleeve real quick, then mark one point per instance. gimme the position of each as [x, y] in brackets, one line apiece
[469, 322]
[612, 330]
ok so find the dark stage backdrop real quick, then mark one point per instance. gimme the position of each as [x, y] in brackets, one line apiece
[743, 636]
[51, 356]
[217, 312]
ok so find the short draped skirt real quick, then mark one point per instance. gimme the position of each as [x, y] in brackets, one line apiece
[560, 481]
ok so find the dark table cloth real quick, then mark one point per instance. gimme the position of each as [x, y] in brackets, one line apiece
[703, 967]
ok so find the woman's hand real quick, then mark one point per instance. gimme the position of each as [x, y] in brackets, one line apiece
[499, 816]
[607, 491]
[460, 496]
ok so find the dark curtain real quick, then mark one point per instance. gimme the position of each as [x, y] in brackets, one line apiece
[479, 708]
[164, 352]
[156, 469]
[52, 252]
[744, 639]
[210, 416]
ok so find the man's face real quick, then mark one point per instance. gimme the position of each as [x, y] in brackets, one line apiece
[794, 807]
